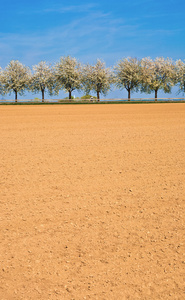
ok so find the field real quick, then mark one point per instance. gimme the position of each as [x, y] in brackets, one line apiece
[92, 202]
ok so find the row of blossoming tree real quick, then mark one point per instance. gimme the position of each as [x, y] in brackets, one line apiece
[144, 75]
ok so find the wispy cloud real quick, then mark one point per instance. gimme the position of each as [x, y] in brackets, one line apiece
[137, 2]
[81, 8]
[72, 8]
[87, 36]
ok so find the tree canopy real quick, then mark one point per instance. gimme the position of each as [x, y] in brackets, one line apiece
[145, 75]
[1, 85]
[16, 78]
[42, 79]
[68, 75]
[97, 78]
[158, 74]
[127, 74]
[180, 75]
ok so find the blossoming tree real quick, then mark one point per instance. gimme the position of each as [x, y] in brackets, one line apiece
[158, 74]
[97, 78]
[68, 75]
[180, 78]
[16, 78]
[127, 75]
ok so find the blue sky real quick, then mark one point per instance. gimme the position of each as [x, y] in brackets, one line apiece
[31, 31]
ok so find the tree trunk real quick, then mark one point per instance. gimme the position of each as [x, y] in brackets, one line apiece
[155, 95]
[15, 96]
[98, 96]
[42, 95]
[128, 94]
[70, 95]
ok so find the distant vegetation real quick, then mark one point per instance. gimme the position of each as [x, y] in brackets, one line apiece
[144, 75]
[88, 97]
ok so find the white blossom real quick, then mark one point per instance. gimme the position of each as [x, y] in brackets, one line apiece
[68, 75]
[127, 74]
[16, 78]
[158, 74]
[97, 78]
[180, 75]
[42, 79]
[1, 83]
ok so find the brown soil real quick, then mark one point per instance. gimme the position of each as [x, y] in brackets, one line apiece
[92, 202]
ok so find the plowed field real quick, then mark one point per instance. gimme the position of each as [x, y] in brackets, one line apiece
[92, 202]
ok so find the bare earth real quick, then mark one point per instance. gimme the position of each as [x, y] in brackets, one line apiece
[92, 202]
